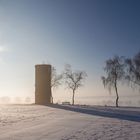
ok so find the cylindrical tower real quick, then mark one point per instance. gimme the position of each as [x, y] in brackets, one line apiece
[43, 84]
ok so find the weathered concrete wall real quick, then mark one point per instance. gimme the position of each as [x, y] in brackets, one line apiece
[43, 84]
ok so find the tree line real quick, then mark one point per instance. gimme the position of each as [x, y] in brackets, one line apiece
[121, 69]
[72, 79]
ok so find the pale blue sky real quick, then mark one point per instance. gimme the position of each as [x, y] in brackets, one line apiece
[83, 33]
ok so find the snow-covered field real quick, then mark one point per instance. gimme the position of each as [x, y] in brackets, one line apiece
[57, 122]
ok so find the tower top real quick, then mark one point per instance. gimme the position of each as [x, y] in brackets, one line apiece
[42, 65]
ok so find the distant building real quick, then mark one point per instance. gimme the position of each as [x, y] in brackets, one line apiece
[43, 84]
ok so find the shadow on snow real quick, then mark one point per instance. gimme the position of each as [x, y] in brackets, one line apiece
[103, 112]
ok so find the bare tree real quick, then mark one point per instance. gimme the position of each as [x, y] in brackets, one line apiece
[133, 70]
[73, 79]
[114, 69]
[55, 79]
[5, 100]
[27, 100]
[18, 100]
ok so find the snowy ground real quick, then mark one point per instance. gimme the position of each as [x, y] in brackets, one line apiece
[34, 122]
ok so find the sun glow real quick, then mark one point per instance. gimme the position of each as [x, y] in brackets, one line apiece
[3, 49]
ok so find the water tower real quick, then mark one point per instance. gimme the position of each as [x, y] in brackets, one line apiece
[43, 84]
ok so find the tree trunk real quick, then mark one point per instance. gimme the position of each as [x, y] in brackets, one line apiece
[52, 99]
[117, 96]
[73, 97]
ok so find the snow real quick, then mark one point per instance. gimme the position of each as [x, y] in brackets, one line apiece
[65, 122]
